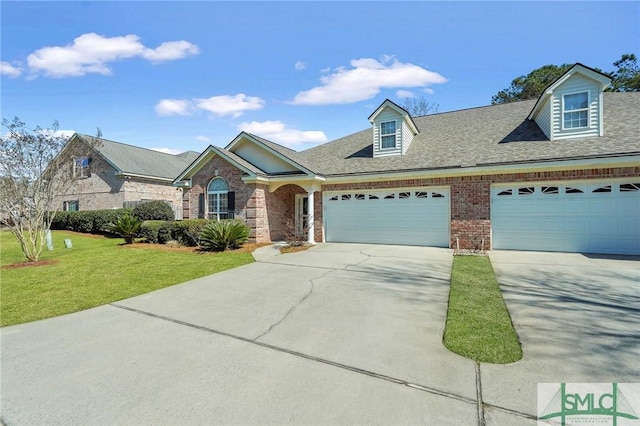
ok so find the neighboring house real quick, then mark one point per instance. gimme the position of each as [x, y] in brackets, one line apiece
[561, 173]
[117, 175]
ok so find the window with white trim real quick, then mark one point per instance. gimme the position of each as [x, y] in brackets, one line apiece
[388, 135]
[575, 110]
[218, 199]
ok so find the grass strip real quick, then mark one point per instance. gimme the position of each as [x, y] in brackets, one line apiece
[97, 270]
[478, 323]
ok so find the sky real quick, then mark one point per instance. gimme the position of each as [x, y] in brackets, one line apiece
[177, 76]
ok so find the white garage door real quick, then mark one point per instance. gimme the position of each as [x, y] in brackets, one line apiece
[589, 217]
[408, 217]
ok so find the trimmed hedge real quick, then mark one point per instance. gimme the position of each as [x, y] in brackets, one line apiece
[153, 210]
[186, 232]
[87, 221]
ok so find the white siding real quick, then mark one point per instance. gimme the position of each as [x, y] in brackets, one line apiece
[575, 84]
[407, 137]
[543, 119]
[387, 115]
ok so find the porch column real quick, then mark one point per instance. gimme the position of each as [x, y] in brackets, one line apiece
[310, 220]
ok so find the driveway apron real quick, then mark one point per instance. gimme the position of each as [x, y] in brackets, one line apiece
[338, 334]
[578, 319]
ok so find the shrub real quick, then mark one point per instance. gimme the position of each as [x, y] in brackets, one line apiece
[224, 234]
[149, 230]
[127, 227]
[187, 232]
[165, 232]
[153, 210]
[81, 221]
[102, 218]
[61, 220]
[88, 221]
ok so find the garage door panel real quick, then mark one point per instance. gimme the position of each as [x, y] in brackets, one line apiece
[369, 217]
[589, 221]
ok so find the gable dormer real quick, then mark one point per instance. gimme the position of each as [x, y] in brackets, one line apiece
[393, 130]
[572, 106]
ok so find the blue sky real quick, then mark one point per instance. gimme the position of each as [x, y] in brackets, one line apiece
[182, 75]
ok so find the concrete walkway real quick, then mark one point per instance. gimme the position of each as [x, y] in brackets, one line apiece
[337, 334]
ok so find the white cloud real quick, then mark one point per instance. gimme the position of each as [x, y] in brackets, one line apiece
[91, 53]
[171, 151]
[234, 106]
[201, 138]
[405, 94]
[278, 132]
[171, 50]
[9, 70]
[365, 79]
[300, 65]
[173, 107]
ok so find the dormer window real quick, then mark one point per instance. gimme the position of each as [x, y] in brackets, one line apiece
[575, 110]
[388, 135]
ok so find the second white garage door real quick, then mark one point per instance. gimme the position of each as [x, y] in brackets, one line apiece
[587, 217]
[407, 217]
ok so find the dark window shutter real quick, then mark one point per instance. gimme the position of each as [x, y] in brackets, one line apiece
[201, 206]
[231, 201]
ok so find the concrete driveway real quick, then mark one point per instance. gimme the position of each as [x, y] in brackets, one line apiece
[338, 334]
[578, 319]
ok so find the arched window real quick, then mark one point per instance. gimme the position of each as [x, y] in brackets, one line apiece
[219, 200]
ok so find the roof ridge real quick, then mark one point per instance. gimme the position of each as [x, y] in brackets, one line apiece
[84, 135]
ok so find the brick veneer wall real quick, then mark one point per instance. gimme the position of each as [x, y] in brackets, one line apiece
[471, 196]
[201, 180]
[102, 190]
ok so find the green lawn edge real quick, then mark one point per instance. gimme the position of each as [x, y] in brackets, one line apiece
[96, 271]
[478, 324]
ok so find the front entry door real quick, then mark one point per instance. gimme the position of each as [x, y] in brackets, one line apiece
[302, 212]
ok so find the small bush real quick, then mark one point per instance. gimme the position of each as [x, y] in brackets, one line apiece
[165, 232]
[223, 235]
[153, 210]
[149, 230]
[127, 227]
[187, 232]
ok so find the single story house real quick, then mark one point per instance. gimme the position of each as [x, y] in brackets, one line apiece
[116, 175]
[560, 173]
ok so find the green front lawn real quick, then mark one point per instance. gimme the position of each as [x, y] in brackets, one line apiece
[96, 271]
[478, 322]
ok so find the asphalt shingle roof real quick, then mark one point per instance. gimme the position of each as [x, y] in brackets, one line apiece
[142, 161]
[496, 134]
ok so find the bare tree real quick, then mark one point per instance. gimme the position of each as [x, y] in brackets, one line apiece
[37, 166]
[419, 106]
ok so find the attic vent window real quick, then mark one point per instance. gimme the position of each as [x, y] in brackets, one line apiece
[388, 135]
[576, 110]
[81, 167]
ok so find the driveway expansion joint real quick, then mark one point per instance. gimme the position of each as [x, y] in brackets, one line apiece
[481, 421]
[312, 358]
